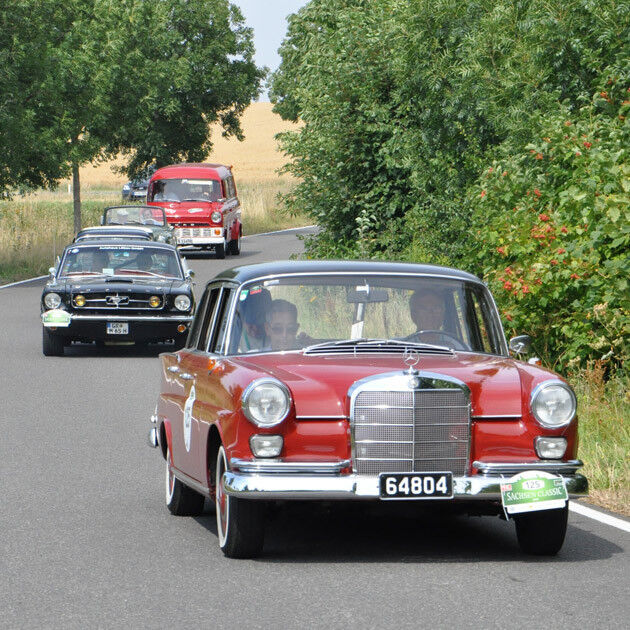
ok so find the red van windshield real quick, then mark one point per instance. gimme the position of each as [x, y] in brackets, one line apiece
[185, 190]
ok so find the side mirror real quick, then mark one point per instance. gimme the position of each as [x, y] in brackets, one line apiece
[51, 272]
[190, 274]
[520, 344]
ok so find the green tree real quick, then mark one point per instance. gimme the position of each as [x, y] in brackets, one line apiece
[101, 76]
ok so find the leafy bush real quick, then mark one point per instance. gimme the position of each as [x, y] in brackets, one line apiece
[552, 230]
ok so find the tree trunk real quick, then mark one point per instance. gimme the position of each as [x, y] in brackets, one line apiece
[76, 197]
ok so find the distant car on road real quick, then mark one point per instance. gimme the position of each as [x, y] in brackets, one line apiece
[113, 231]
[201, 203]
[400, 387]
[149, 218]
[116, 291]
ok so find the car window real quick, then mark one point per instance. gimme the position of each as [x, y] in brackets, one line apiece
[206, 317]
[222, 321]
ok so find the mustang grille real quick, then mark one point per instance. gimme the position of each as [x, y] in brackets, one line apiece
[118, 301]
[411, 431]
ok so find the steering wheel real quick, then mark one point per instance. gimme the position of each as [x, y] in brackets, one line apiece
[456, 343]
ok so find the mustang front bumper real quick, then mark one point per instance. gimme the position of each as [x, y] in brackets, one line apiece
[284, 480]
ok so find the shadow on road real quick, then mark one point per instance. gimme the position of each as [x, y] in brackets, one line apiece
[360, 532]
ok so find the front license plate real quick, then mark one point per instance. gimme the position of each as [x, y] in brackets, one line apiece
[184, 241]
[416, 485]
[117, 328]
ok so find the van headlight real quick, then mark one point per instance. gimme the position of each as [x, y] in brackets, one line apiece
[52, 300]
[215, 217]
[266, 402]
[553, 404]
[182, 302]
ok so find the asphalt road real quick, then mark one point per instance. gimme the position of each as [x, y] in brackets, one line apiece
[88, 542]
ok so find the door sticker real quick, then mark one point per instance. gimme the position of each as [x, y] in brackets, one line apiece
[188, 408]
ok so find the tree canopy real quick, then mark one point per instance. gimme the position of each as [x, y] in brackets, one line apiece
[90, 78]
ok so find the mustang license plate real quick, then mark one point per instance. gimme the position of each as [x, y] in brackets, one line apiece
[432, 485]
[117, 328]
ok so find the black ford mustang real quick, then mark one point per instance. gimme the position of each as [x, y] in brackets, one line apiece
[117, 291]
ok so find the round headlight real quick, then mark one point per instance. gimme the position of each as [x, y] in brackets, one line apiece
[553, 404]
[216, 216]
[162, 238]
[154, 301]
[182, 302]
[52, 300]
[266, 402]
[79, 300]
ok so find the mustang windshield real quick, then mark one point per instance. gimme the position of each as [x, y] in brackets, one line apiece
[114, 260]
[185, 190]
[290, 313]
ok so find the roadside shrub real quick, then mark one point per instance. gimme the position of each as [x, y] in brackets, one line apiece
[551, 231]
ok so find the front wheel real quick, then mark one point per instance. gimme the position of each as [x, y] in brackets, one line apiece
[219, 251]
[240, 522]
[235, 244]
[52, 345]
[180, 499]
[542, 533]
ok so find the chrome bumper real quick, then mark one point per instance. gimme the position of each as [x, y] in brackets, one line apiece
[133, 318]
[280, 480]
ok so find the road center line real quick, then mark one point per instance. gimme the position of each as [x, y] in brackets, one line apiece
[599, 516]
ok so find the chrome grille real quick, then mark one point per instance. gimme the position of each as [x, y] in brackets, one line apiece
[411, 431]
[118, 301]
[192, 232]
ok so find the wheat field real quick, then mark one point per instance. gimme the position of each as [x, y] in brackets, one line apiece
[34, 228]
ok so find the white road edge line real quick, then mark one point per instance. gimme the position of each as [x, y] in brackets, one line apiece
[599, 516]
[13, 284]
[6, 286]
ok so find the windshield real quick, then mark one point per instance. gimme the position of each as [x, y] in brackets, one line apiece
[294, 313]
[134, 215]
[114, 260]
[185, 190]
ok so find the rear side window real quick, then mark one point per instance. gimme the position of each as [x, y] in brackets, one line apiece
[199, 334]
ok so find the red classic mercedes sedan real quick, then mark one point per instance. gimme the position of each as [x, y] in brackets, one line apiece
[331, 380]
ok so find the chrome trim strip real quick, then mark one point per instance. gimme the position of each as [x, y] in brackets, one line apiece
[190, 482]
[510, 468]
[357, 487]
[314, 417]
[498, 417]
[278, 466]
[134, 318]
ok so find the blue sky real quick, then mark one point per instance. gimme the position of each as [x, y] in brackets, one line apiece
[268, 19]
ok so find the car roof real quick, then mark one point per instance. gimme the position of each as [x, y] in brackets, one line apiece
[193, 169]
[102, 242]
[247, 273]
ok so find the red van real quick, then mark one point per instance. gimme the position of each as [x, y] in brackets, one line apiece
[201, 204]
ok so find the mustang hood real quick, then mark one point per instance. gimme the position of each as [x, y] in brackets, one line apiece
[120, 284]
[319, 384]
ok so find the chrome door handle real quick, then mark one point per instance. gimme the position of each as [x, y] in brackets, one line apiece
[173, 368]
[186, 377]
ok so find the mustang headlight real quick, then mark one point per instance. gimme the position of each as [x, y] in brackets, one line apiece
[553, 404]
[215, 217]
[266, 402]
[182, 302]
[52, 300]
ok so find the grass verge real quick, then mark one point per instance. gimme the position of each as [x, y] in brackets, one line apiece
[35, 229]
[604, 412]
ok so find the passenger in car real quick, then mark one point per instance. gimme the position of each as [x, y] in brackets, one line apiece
[281, 326]
[253, 313]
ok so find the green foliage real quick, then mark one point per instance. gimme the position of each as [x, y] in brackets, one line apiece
[85, 79]
[552, 230]
[406, 103]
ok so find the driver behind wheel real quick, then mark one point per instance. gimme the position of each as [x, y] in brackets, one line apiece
[427, 308]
